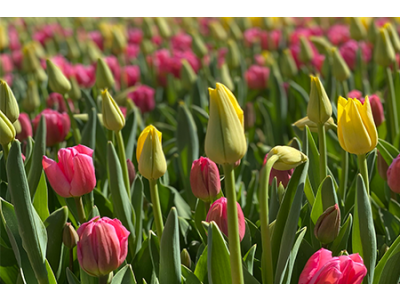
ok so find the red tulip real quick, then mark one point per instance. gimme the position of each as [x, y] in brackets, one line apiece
[257, 77]
[143, 97]
[26, 127]
[204, 179]
[130, 75]
[57, 126]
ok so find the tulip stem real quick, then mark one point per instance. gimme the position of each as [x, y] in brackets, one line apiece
[122, 160]
[155, 200]
[75, 130]
[344, 177]
[392, 125]
[233, 226]
[105, 279]
[81, 211]
[362, 164]
[345, 88]
[322, 152]
[267, 271]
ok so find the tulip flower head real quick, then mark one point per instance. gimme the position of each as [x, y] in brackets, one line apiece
[102, 246]
[8, 103]
[204, 179]
[58, 83]
[322, 268]
[328, 225]
[225, 139]
[26, 127]
[393, 175]
[319, 108]
[288, 157]
[113, 119]
[73, 175]
[356, 128]
[149, 154]
[57, 126]
[7, 130]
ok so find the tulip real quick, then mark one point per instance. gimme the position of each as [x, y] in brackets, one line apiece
[226, 78]
[163, 27]
[281, 176]
[73, 174]
[233, 55]
[382, 166]
[357, 29]
[187, 74]
[7, 130]
[225, 142]
[199, 48]
[185, 258]
[257, 77]
[340, 69]
[377, 109]
[119, 40]
[57, 126]
[104, 77]
[306, 52]
[328, 225]
[349, 52]
[319, 108]
[393, 175]
[32, 99]
[372, 32]
[322, 268]
[26, 127]
[70, 237]
[218, 213]
[8, 103]
[130, 75]
[30, 61]
[354, 94]
[288, 64]
[113, 119]
[131, 171]
[338, 34]
[57, 81]
[143, 97]
[302, 123]
[287, 157]
[102, 246]
[204, 179]
[149, 154]
[394, 37]
[356, 128]
[56, 101]
[384, 53]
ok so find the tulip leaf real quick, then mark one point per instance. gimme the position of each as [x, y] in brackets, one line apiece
[50, 274]
[170, 254]
[218, 262]
[190, 278]
[137, 203]
[313, 157]
[388, 151]
[363, 236]
[394, 250]
[326, 197]
[89, 132]
[72, 279]
[94, 213]
[141, 263]
[154, 249]
[40, 202]
[170, 195]
[371, 163]
[293, 254]
[124, 276]
[340, 243]
[200, 216]
[248, 259]
[129, 134]
[201, 270]
[31, 228]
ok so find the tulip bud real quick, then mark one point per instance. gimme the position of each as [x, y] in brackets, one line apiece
[149, 154]
[288, 157]
[26, 127]
[217, 31]
[131, 171]
[119, 40]
[233, 54]
[72, 49]
[148, 27]
[199, 48]
[394, 37]
[93, 51]
[7, 130]
[288, 64]
[235, 31]
[321, 43]
[187, 74]
[382, 166]
[102, 246]
[104, 76]
[32, 99]
[219, 214]
[185, 258]
[75, 92]
[113, 119]
[339, 67]
[58, 83]
[372, 32]
[40, 75]
[4, 41]
[393, 175]
[226, 77]
[306, 53]
[302, 123]
[249, 116]
[225, 139]
[319, 108]
[163, 27]
[357, 29]
[282, 177]
[30, 61]
[204, 179]
[8, 103]
[328, 225]
[57, 126]
[384, 52]
[70, 237]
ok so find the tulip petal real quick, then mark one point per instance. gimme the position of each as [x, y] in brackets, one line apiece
[56, 177]
[84, 150]
[108, 247]
[368, 120]
[329, 274]
[65, 157]
[84, 179]
[314, 263]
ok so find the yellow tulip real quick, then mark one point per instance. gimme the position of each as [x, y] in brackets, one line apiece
[288, 157]
[356, 128]
[225, 140]
[113, 119]
[149, 154]
[7, 130]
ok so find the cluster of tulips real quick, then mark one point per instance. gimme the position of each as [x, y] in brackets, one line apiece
[300, 186]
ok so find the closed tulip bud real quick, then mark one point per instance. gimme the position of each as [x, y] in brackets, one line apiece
[131, 171]
[233, 54]
[204, 179]
[73, 174]
[373, 32]
[113, 119]
[225, 141]
[163, 27]
[187, 74]
[393, 175]
[102, 246]
[75, 92]
[119, 40]
[219, 214]
[57, 126]
[104, 76]
[148, 27]
[7, 130]
[328, 225]
[32, 99]
[356, 128]
[249, 116]
[93, 51]
[30, 61]
[199, 47]
[72, 49]
[226, 78]
[384, 53]
[217, 31]
[302, 123]
[40, 75]
[357, 29]
[321, 43]
[339, 67]
[394, 37]
[319, 108]
[8, 103]
[185, 258]
[4, 41]
[235, 31]
[306, 53]
[17, 126]
[58, 83]
[26, 127]
[70, 236]
[282, 177]
[288, 64]
[288, 157]
[382, 166]
[149, 154]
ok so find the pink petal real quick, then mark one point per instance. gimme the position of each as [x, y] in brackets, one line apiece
[84, 179]
[56, 177]
[108, 247]
[84, 150]
[315, 262]
[65, 158]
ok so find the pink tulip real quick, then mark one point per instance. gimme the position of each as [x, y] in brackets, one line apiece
[135, 36]
[257, 77]
[393, 175]
[6, 63]
[143, 97]
[130, 75]
[131, 171]
[57, 126]
[26, 127]
[73, 174]
[102, 245]
[96, 37]
[322, 268]
[204, 179]
[221, 56]
[56, 101]
[354, 94]
[349, 52]
[219, 214]
[181, 42]
[17, 58]
[251, 36]
[338, 34]
[270, 40]
[377, 109]
[84, 75]
[281, 176]
[132, 51]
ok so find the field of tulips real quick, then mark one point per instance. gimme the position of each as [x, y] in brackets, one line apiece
[200, 150]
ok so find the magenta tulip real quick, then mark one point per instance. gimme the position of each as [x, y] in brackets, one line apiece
[322, 268]
[257, 77]
[204, 179]
[73, 175]
[219, 214]
[130, 75]
[377, 109]
[143, 97]
[102, 246]
[26, 127]
[57, 126]
[393, 175]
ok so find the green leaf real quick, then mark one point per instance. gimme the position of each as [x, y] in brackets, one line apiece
[293, 254]
[313, 157]
[50, 274]
[72, 279]
[200, 216]
[326, 197]
[340, 243]
[154, 249]
[190, 278]
[89, 132]
[129, 134]
[219, 268]
[363, 237]
[124, 276]
[392, 251]
[201, 270]
[248, 259]
[40, 199]
[388, 151]
[171, 195]
[137, 203]
[170, 254]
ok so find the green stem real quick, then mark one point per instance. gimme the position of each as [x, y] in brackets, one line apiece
[122, 160]
[106, 279]
[267, 271]
[75, 130]
[345, 88]
[344, 177]
[362, 164]
[322, 152]
[233, 226]
[392, 109]
[155, 200]
[81, 211]
[6, 150]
